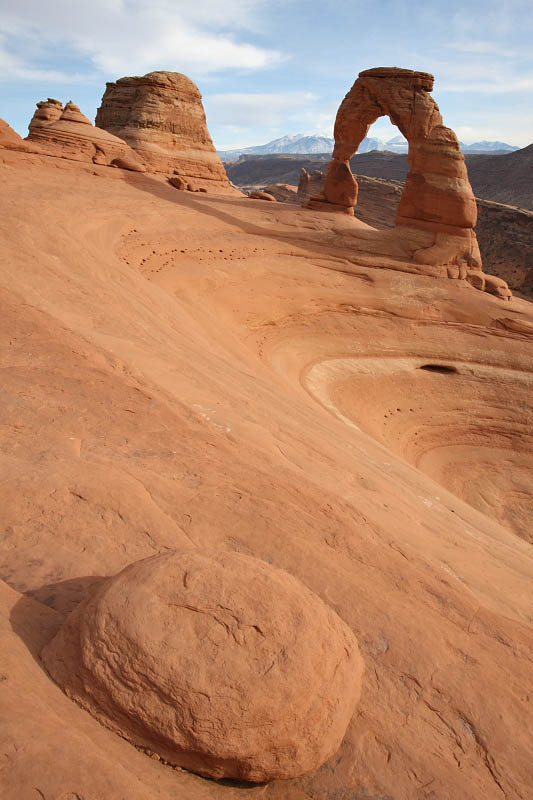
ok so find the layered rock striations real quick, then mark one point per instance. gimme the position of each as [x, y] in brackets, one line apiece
[71, 135]
[48, 111]
[437, 211]
[161, 116]
[216, 661]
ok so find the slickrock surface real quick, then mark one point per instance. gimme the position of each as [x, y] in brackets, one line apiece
[161, 116]
[437, 210]
[216, 661]
[10, 140]
[176, 373]
[423, 412]
[74, 137]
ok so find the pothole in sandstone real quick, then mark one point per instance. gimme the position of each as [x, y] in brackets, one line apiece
[468, 426]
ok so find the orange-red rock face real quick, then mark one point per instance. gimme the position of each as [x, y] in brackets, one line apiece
[10, 140]
[183, 371]
[161, 116]
[216, 661]
[438, 198]
[73, 136]
[48, 111]
[310, 184]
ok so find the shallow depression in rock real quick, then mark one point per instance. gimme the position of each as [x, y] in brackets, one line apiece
[466, 425]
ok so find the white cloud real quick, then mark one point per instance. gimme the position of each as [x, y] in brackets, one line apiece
[477, 67]
[267, 109]
[495, 18]
[500, 85]
[482, 48]
[13, 67]
[475, 77]
[495, 128]
[240, 119]
[124, 37]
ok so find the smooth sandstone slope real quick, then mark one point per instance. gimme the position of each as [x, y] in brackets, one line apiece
[188, 373]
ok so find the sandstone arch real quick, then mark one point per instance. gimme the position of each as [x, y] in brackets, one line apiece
[437, 199]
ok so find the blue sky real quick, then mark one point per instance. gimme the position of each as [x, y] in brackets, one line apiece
[267, 68]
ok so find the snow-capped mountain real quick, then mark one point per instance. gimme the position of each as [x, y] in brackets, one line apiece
[488, 147]
[302, 144]
[299, 143]
[395, 145]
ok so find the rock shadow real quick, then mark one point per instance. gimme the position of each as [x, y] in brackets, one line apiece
[64, 596]
[39, 613]
[312, 240]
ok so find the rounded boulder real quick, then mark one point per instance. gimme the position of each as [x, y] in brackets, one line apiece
[216, 661]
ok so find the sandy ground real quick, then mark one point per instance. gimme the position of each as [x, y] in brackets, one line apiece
[183, 370]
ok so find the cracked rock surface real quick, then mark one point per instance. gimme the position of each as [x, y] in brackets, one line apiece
[216, 661]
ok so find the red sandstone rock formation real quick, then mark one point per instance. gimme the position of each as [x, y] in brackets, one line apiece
[216, 661]
[260, 195]
[47, 111]
[74, 137]
[282, 192]
[161, 116]
[236, 375]
[309, 184]
[10, 140]
[437, 211]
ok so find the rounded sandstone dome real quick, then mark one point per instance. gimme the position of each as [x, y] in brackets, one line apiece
[176, 80]
[216, 661]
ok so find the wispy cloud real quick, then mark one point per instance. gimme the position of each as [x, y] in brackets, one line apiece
[483, 48]
[119, 37]
[480, 53]
[237, 115]
[247, 109]
[12, 67]
[494, 86]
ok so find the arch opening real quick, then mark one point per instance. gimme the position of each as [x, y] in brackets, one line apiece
[437, 211]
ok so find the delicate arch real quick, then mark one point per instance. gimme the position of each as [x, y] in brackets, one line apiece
[437, 197]
[437, 187]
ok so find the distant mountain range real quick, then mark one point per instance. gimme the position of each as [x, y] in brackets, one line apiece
[504, 178]
[302, 144]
